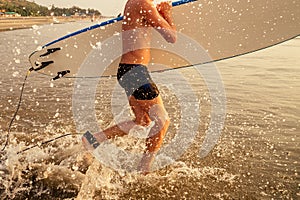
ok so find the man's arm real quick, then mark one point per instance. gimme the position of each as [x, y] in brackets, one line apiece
[164, 10]
[161, 19]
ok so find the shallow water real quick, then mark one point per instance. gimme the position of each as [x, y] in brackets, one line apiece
[257, 156]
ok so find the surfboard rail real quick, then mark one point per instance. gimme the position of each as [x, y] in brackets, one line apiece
[225, 30]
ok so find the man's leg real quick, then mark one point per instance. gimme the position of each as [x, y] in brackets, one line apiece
[123, 128]
[157, 113]
[145, 112]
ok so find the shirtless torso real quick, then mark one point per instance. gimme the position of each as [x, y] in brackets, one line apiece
[139, 17]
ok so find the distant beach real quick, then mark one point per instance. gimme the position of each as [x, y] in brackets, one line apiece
[13, 23]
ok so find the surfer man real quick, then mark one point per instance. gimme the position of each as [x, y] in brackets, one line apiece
[143, 95]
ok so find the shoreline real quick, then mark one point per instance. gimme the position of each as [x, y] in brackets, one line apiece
[14, 23]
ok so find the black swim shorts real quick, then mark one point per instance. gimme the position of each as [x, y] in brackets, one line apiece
[136, 81]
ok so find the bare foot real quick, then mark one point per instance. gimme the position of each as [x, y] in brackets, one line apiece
[83, 162]
[146, 163]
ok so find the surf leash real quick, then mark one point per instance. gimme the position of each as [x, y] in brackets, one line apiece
[17, 110]
[15, 115]
[44, 142]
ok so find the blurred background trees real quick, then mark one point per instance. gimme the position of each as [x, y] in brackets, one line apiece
[26, 8]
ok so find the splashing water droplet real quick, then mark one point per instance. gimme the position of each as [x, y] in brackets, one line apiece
[15, 74]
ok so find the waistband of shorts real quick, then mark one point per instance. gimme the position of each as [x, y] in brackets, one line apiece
[131, 64]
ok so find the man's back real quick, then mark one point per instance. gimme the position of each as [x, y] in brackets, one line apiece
[139, 17]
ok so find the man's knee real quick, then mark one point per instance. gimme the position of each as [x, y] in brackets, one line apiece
[159, 116]
[142, 120]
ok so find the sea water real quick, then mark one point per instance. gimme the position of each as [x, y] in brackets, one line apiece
[256, 157]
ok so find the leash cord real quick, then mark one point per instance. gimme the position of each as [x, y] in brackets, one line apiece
[43, 143]
[15, 115]
[17, 110]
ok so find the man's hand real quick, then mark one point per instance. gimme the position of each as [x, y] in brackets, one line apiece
[164, 8]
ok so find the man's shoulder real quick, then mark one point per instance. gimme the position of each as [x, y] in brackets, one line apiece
[141, 2]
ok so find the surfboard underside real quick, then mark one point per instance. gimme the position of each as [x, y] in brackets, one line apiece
[222, 29]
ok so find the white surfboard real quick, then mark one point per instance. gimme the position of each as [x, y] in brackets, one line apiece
[224, 29]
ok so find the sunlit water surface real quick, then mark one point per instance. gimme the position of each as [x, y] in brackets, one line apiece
[257, 156]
